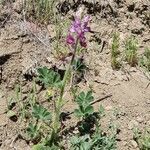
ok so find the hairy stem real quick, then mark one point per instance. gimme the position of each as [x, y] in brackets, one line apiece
[56, 123]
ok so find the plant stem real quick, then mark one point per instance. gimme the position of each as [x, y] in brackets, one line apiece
[56, 123]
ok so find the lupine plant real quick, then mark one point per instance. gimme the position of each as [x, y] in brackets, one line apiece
[52, 81]
[45, 126]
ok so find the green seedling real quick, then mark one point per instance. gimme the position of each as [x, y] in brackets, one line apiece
[145, 60]
[84, 107]
[131, 47]
[32, 131]
[143, 139]
[115, 52]
[20, 103]
[41, 10]
[43, 147]
[42, 115]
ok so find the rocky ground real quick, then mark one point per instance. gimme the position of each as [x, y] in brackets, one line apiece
[21, 52]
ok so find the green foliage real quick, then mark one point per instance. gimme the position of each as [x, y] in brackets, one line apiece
[95, 142]
[80, 143]
[131, 47]
[48, 77]
[115, 52]
[145, 60]
[41, 10]
[32, 131]
[43, 147]
[143, 139]
[78, 65]
[41, 113]
[83, 100]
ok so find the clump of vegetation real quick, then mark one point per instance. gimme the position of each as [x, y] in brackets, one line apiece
[97, 141]
[143, 139]
[145, 60]
[41, 10]
[115, 52]
[131, 47]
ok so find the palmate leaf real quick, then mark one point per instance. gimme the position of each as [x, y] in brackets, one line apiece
[80, 143]
[89, 110]
[84, 98]
[41, 113]
[78, 65]
[48, 77]
[84, 104]
[78, 113]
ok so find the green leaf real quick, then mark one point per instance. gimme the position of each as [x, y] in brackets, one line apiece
[89, 96]
[84, 98]
[41, 113]
[78, 65]
[89, 110]
[42, 147]
[101, 111]
[32, 130]
[48, 77]
[78, 113]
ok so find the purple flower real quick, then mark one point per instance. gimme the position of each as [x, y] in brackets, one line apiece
[79, 27]
[70, 39]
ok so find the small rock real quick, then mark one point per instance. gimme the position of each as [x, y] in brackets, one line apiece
[148, 102]
[124, 143]
[76, 131]
[132, 124]
[133, 69]
[140, 119]
[26, 40]
[109, 108]
[133, 143]
[148, 123]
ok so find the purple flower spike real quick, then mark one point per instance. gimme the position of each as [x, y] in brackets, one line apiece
[75, 26]
[79, 27]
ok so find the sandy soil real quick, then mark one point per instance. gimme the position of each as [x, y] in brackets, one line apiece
[21, 53]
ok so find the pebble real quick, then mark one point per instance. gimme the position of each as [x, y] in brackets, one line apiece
[109, 108]
[140, 119]
[133, 69]
[148, 102]
[134, 143]
[124, 143]
[26, 40]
